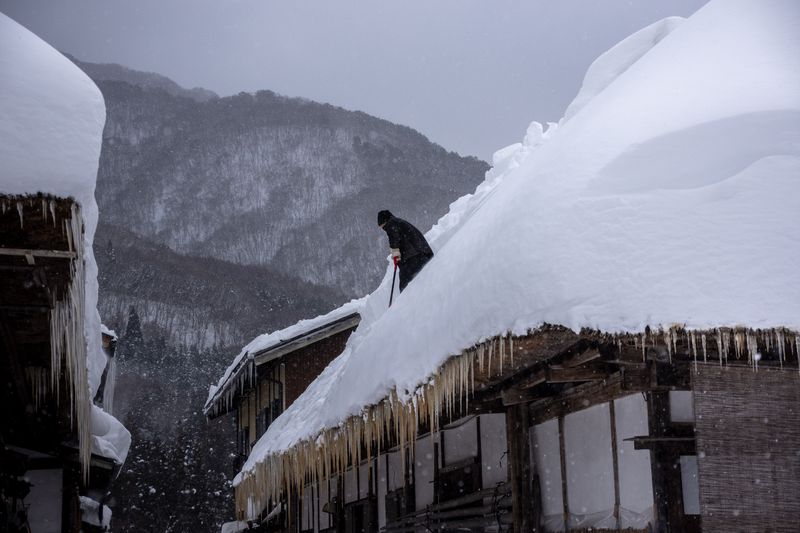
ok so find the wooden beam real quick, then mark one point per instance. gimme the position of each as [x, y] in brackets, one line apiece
[517, 396]
[582, 358]
[556, 374]
[681, 445]
[563, 456]
[517, 425]
[524, 391]
[588, 394]
[612, 416]
[30, 254]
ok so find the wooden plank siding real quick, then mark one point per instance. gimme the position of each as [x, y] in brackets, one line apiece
[748, 450]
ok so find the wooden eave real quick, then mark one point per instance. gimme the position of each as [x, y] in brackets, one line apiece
[307, 338]
[274, 352]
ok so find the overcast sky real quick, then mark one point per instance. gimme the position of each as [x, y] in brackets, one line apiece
[469, 74]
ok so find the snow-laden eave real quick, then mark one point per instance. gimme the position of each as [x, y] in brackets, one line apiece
[442, 394]
[241, 374]
[667, 198]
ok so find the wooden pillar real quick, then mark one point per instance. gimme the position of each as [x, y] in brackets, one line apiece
[665, 466]
[517, 425]
[562, 454]
[615, 461]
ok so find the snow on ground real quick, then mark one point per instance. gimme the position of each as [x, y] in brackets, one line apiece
[669, 197]
[51, 124]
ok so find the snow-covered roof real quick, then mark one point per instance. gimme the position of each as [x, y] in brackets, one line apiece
[668, 197]
[105, 330]
[51, 119]
[269, 342]
[51, 124]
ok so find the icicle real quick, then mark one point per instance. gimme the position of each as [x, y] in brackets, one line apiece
[797, 351]
[502, 354]
[694, 349]
[738, 344]
[725, 344]
[674, 336]
[703, 342]
[668, 341]
[781, 341]
[53, 212]
[752, 349]
[511, 347]
[644, 348]
[19, 211]
[67, 342]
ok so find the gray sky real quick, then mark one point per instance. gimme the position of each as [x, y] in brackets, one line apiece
[469, 74]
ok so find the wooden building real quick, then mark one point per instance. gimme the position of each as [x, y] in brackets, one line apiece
[59, 451]
[272, 371]
[48, 465]
[558, 431]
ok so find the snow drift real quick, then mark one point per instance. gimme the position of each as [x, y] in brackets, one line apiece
[666, 196]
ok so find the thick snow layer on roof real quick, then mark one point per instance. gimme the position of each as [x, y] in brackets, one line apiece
[51, 119]
[268, 340]
[51, 124]
[669, 197]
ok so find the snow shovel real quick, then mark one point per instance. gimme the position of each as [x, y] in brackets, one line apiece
[391, 293]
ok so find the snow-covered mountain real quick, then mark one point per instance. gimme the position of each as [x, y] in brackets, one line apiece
[146, 80]
[261, 179]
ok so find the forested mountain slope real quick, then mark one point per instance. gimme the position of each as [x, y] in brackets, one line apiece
[261, 179]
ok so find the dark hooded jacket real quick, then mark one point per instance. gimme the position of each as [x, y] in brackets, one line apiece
[407, 238]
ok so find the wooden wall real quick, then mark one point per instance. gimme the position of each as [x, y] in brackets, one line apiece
[748, 445]
[305, 364]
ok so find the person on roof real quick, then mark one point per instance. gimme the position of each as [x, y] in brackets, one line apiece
[410, 250]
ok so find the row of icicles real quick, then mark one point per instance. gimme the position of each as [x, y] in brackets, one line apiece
[68, 341]
[243, 378]
[744, 341]
[48, 206]
[333, 450]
